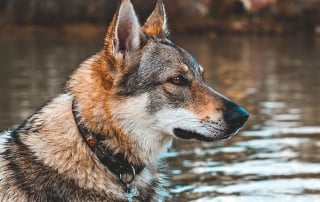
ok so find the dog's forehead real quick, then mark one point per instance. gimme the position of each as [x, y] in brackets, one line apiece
[163, 54]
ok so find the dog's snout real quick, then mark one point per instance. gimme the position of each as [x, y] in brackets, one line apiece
[235, 118]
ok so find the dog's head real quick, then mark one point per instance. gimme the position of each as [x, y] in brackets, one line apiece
[157, 88]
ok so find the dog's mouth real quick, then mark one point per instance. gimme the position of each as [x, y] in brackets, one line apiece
[186, 134]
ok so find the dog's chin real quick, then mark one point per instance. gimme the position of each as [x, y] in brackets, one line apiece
[187, 135]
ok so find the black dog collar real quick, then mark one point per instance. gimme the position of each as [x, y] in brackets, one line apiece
[116, 163]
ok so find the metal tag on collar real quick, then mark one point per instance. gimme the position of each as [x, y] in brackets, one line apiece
[131, 192]
[126, 179]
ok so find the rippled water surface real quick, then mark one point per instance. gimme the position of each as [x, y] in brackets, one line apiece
[276, 157]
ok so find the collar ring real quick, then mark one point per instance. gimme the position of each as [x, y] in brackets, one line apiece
[127, 178]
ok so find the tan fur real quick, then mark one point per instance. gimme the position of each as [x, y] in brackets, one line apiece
[204, 105]
[156, 24]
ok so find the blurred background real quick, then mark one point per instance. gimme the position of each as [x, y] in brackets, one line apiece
[193, 16]
[264, 54]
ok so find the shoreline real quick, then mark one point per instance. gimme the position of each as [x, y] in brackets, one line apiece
[255, 27]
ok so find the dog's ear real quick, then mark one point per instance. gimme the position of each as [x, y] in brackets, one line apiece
[123, 36]
[156, 24]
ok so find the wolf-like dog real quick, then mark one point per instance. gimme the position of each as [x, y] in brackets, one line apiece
[104, 138]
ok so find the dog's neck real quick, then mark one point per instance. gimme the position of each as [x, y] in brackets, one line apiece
[95, 103]
[116, 163]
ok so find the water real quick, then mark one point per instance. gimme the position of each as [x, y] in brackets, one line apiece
[277, 79]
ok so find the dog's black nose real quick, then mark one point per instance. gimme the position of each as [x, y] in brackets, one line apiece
[235, 118]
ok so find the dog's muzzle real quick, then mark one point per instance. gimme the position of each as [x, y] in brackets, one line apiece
[234, 118]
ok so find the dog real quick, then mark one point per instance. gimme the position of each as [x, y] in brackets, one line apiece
[105, 137]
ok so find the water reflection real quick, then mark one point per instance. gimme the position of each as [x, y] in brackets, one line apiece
[275, 158]
[277, 80]
[33, 69]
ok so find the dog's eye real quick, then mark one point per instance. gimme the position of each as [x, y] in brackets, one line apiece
[179, 80]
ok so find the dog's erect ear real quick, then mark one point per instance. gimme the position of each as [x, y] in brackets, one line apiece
[123, 36]
[156, 24]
